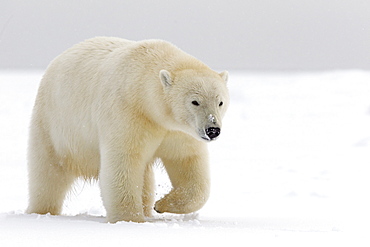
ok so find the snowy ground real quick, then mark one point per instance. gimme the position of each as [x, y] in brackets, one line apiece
[291, 168]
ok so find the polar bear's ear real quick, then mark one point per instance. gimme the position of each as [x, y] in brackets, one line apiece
[224, 75]
[165, 78]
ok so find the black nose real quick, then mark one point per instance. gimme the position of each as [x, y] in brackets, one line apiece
[213, 132]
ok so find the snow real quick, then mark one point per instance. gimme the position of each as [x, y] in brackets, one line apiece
[289, 169]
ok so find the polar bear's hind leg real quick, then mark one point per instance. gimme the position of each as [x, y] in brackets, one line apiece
[48, 180]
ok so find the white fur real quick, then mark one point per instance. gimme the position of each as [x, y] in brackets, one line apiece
[107, 108]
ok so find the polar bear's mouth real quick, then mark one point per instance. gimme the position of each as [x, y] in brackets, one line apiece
[205, 138]
[203, 135]
[209, 134]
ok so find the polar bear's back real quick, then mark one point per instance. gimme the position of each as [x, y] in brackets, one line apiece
[109, 55]
[96, 56]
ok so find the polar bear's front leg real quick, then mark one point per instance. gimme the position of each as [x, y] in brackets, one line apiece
[190, 180]
[125, 160]
[121, 184]
[122, 171]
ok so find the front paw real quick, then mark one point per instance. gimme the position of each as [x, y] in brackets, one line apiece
[181, 201]
[173, 206]
[155, 209]
[159, 207]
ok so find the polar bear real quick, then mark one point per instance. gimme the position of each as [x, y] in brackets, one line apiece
[107, 108]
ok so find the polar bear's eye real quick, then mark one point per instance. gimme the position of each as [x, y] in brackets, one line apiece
[194, 102]
[221, 103]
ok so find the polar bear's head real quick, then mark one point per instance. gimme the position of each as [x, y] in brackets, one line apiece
[197, 99]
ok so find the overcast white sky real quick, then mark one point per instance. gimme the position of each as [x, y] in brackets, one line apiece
[243, 34]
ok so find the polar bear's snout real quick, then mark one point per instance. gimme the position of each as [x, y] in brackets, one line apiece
[212, 128]
[213, 132]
